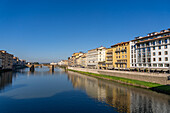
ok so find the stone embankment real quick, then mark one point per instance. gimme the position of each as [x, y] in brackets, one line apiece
[159, 78]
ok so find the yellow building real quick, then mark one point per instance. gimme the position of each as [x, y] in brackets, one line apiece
[109, 58]
[75, 56]
[121, 55]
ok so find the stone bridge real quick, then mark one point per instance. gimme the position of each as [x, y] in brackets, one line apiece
[33, 66]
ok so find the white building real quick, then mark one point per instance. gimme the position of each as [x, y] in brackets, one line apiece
[95, 56]
[152, 51]
[61, 63]
[53, 63]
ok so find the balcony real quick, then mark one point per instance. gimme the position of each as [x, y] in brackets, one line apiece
[120, 62]
[109, 62]
[123, 50]
[109, 55]
[109, 59]
[117, 51]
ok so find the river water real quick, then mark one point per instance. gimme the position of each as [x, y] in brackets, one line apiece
[67, 92]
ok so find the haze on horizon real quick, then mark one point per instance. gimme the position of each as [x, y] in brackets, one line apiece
[51, 30]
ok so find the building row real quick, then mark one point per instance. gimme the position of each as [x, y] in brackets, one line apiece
[62, 63]
[9, 62]
[148, 53]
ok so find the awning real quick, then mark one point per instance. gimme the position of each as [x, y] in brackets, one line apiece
[159, 69]
[153, 69]
[165, 69]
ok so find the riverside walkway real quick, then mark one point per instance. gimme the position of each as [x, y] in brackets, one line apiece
[159, 78]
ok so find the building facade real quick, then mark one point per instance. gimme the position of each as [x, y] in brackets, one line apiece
[0, 64]
[151, 52]
[92, 59]
[84, 60]
[95, 57]
[62, 63]
[101, 57]
[6, 60]
[121, 55]
[109, 58]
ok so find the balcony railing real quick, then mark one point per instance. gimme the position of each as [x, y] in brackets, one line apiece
[123, 50]
[117, 51]
[109, 59]
[121, 62]
[109, 55]
[109, 52]
[109, 62]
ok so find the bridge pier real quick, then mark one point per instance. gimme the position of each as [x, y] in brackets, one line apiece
[32, 68]
[52, 68]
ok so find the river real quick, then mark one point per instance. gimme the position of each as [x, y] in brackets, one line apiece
[44, 91]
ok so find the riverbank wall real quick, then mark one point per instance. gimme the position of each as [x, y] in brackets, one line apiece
[159, 78]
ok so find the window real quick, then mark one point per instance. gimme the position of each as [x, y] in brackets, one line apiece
[166, 65]
[165, 46]
[154, 65]
[143, 49]
[153, 48]
[154, 53]
[160, 65]
[166, 41]
[159, 53]
[149, 59]
[153, 42]
[122, 56]
[148, 49]
[154, 59]
[166, 52]
[125, 56]
[159, 41]
[159, 47]
[166, 58]
[160, 59]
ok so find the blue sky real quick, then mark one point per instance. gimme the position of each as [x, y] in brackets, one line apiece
[51, 30]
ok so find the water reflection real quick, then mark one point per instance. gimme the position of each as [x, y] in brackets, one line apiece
[39, 84]
[121, 97]
[5, 79]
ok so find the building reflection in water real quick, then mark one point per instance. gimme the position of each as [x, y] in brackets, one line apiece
[120, 97]
[5, 79]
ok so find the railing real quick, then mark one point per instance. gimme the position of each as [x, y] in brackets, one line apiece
[109, 52]
[117, 51]
[123, 50]
[109, 62]
[121, 62]
[109, 55]
[109, 59]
